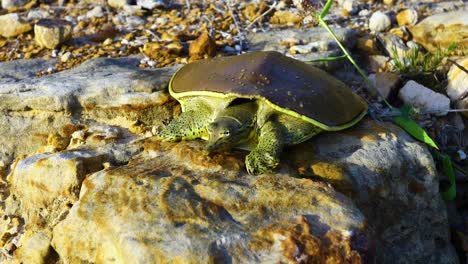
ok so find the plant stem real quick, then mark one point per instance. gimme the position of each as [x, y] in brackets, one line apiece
[345, 51]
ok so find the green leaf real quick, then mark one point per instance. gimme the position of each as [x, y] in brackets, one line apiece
[414, 130]
[451, 192]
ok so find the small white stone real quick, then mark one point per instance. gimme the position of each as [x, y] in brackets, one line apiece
[162, 20]
[80, 134]
[461, 154]
[152, 63]
[65, 57]
[125, 42]
[37, 14]
[82, 17]
[379, 22]
[118, 3]
[97, 11]
[54, 53]
[364, 12]
[457, 86]
[70, 19]
[424, 98]
[412, 45]
[151, 4]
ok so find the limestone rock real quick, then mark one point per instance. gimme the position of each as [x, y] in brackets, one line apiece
[379, 22]
[407, 17]
[51, 33]
[424, 98]
[159, 209]
[46, 183]
[203, 45]
[36, 248]
[11, 25]
[457, 87]
[173, 202]
[41, 106]
[13, 3]
[441, 30]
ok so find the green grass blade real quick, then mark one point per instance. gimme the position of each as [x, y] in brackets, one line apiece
[414, 130]
[328, 59]
[326, 8]
[451, 192]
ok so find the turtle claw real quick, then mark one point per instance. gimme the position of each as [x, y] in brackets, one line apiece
[260, 163]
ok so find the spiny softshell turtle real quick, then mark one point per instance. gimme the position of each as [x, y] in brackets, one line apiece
[260, 101]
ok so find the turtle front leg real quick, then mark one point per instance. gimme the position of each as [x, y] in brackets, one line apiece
[265, 157]
[189, 125]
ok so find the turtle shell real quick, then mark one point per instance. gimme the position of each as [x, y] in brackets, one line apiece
[288, 85]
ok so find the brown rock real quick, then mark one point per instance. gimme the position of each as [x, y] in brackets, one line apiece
[286, 18]
[51, 33]
[11, 25]
[151, 49]
[203, 45]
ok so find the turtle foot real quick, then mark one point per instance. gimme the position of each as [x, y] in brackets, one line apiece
[166, 135]
[259, 163]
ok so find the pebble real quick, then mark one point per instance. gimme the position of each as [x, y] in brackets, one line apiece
[379, 22]
[393, 45]
[348, 6]
[407, 17]
[119, 3]
[66, 56]
[161, 20]
[11, 25]
[13, 3]
[286, 17]
[204, 44]
[457, 86]
[364, 12]
[37, 14]
[51, 33]
[151, 4]
[385, 82]
[97, 11]
[423, 98]
[134, 21]
[378, 63]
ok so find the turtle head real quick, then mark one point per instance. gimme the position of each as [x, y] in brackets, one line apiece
[225, 133]
[233, 126]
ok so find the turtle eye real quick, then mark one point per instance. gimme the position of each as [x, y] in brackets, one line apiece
[227, 133]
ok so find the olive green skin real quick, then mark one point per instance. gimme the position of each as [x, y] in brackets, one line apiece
[284, 102]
